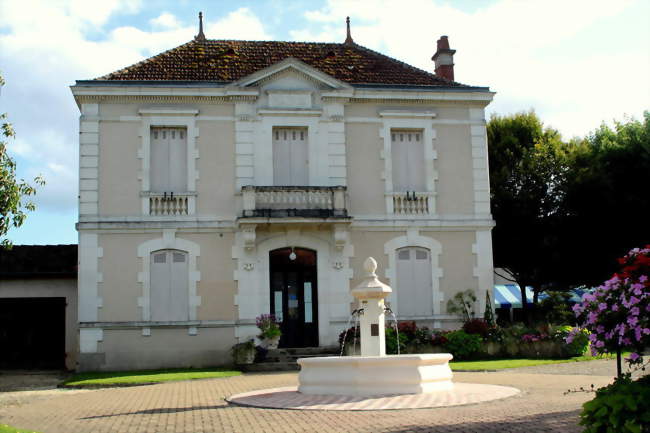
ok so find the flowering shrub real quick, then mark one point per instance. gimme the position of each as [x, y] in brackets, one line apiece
[477, 326]
[439, 338]
[533, 338]
[617, 314]
[579, 340]
[269, 327]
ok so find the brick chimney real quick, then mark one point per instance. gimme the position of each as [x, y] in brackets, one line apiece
[444, 59]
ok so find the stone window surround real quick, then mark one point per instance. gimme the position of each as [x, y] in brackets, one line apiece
[168, 117]
[414, 239]
[263, 145]
[391, 120]
[166, 242]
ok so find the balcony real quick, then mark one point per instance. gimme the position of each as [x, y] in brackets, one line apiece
[412, 203]
[170, 204]
[294, 201]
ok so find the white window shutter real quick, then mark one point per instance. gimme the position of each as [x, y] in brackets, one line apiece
[290, 157]
[177, 161]
[159, 286]
[299, 158]
[414, 293]
[416, 165]
[422, 276]
[281, 159]
[399, 154]
[179, 296]
[407, 153]
[159, 162]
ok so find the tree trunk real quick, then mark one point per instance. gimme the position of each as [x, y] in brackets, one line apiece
[525, 308]
[535, 296]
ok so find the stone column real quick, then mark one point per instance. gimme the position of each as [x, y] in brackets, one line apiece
[370, 294]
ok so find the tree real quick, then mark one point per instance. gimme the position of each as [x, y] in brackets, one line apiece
[528, 167]
[14, 202]
[606, 200]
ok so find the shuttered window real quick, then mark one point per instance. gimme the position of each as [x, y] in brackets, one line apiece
[407, 152]
[168, 168]
[414, 291]
[169, 276]
[290, 157]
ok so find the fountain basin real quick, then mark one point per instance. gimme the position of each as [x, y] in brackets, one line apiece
[375, 375]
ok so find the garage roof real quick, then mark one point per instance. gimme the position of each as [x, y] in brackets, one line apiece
[38, 261]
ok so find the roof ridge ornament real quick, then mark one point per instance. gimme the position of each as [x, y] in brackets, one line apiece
[201, 35]
[348, 38]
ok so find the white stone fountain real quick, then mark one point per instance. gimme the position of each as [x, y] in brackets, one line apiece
[374, 373]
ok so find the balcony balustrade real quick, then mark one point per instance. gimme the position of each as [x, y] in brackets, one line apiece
[169, 204]
[411, 203]
[294, 201]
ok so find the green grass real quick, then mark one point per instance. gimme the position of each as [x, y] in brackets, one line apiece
[8, 429]
[110, 378]
[500, 364]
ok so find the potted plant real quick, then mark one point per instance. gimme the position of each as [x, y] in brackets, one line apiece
[269, 331]
[243, 353]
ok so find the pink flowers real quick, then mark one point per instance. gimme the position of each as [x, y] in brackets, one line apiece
[613, 312]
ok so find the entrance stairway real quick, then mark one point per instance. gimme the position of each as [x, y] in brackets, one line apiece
[286, 359]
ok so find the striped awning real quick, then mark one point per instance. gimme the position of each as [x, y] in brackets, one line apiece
[509, 295]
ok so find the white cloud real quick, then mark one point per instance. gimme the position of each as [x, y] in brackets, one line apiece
[46, 45]
[166, 21]
[516, 47]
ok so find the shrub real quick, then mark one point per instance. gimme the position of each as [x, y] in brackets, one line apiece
[623, 406]
[579, 341]
[555, 308]
[477, 327]
[439, 338]
[391, 341]
[462, 345]
[462, 304]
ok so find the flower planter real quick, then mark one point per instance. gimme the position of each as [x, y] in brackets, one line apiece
[270, 343]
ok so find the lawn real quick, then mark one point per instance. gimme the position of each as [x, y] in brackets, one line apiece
[500, 364]
[8, 429]
[144, 377]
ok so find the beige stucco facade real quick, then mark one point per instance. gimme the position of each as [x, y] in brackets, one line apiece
[229, 133]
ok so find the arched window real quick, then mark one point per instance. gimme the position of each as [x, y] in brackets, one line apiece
[415, 293]
[169, 293]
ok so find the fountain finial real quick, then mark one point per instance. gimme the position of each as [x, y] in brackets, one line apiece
[370, 266]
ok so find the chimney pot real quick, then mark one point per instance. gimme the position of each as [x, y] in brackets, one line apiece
[444, 59]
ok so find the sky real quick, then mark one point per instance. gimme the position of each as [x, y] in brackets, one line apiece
[577, 63]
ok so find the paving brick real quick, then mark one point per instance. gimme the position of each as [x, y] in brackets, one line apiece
[199, 406]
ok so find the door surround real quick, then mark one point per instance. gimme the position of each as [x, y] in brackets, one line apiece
[322, 249]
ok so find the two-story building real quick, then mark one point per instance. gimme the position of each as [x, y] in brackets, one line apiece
[225, 179]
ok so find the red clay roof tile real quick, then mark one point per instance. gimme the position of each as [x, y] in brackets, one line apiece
[230, 60]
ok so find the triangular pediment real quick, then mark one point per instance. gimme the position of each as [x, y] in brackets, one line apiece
[295, 66]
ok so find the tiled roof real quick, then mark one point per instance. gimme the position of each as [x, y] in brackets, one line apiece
[228, 61]
[34, 261]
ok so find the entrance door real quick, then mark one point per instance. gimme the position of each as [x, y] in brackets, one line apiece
[290, 157]
[294, 296]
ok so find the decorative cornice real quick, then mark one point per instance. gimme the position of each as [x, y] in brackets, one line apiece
[116, 99]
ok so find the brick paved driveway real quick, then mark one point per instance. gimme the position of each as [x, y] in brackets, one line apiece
[198, 406]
